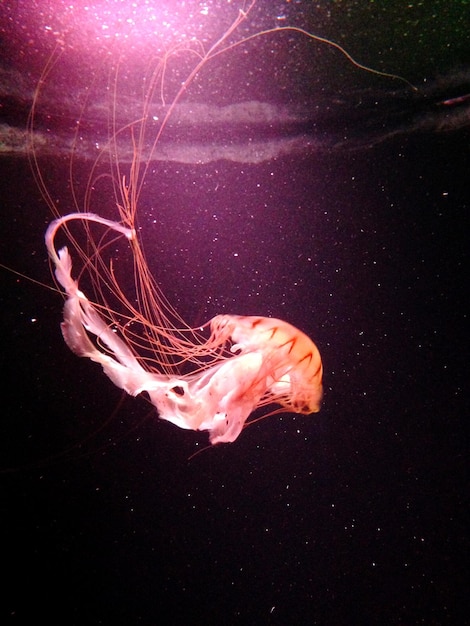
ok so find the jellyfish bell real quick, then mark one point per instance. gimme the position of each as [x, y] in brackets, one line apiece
[292, 357]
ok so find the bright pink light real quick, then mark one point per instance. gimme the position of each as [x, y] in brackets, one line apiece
[129, 24]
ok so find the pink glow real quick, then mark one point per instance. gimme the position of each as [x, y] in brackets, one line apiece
[131, 25]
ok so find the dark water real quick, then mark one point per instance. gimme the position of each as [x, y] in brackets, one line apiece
[353, 516]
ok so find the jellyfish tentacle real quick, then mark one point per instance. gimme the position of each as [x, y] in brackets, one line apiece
[81, 317]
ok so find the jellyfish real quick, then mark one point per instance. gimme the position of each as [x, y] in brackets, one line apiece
[207, 378]
[211, 377]
[247, 362]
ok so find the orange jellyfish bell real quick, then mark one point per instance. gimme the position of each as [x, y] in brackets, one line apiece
[247, 362]
[272, 362]
[291, 359]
